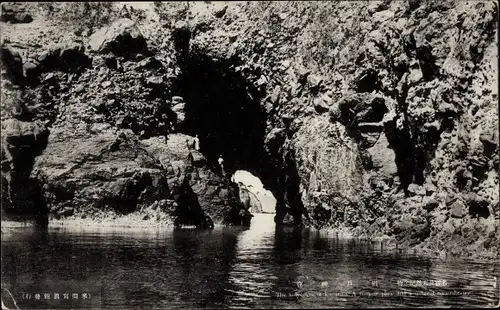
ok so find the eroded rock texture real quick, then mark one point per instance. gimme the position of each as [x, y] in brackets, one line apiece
[94, 136]
[376, 117]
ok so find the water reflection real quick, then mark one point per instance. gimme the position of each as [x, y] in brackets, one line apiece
[249, 279]
[205, 260]
[263, 267]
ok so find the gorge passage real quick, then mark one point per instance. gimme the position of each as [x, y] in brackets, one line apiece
[380, 120]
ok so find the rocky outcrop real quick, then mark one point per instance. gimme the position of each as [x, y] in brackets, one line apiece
[106, 171]
[249, 200]
[15, 13]
[122, 37]
[112, 172]
[187, 171]
[112, 150]
[406, 112]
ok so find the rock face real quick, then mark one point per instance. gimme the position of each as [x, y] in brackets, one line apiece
[408, 122]
[114, 171]
[187, 172]
[382, 121]
[104, 171]
[112, 150]
[249, 200]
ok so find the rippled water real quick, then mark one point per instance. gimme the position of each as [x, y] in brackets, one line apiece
[259, 267]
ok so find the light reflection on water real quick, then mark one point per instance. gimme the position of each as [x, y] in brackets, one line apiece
[231, 267]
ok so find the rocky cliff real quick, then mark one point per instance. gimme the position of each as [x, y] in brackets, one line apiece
[95, 132]
[379, 118]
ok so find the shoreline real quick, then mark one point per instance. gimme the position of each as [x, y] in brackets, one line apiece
[127, 225]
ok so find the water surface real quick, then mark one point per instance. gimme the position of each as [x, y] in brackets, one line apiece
[259, 267]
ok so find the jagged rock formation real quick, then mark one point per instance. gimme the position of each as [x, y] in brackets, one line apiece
[375, 113]
[95, 133]
[380, 118]
[120, 38]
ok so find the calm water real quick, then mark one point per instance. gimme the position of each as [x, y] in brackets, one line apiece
[259, 267]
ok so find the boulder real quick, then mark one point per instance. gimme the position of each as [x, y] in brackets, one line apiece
[359, 107]
[105, 171]
[430, 204]
[14, 13]
[187, 170]
[13, 63]
[458, 209]
[122, 37]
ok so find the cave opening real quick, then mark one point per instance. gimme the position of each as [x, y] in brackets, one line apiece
[253, 193]
[257, 199]
[22, 198]
[223, 108]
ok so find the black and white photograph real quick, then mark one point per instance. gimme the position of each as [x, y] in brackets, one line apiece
[250, 154]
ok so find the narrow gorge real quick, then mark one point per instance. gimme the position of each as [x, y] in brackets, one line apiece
[376, 119]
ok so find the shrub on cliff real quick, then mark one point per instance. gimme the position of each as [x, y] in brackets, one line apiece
[86, 17]
[171, 11]
[311, 22]
[82, 16]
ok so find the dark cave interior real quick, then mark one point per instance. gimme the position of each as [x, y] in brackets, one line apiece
[21, 195]
[224, 109]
